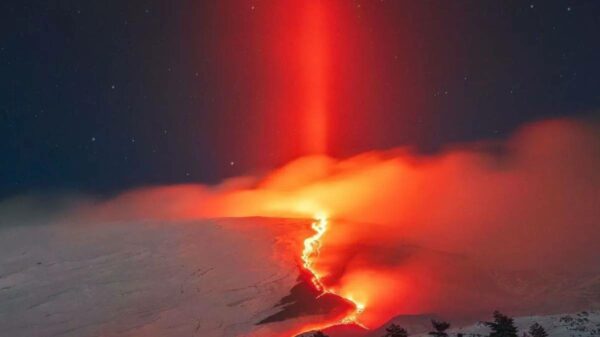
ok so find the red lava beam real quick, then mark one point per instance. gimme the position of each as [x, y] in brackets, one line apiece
[314, 65]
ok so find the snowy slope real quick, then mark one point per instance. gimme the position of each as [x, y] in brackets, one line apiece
[218, 278]
[210, 278]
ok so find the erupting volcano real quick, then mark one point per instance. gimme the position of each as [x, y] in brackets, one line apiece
[298, 168]
[312, 246]
[314, 60]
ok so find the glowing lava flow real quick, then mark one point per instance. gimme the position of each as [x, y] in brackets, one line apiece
[312, 246]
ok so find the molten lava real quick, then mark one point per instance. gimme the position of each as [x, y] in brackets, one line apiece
[312, 246]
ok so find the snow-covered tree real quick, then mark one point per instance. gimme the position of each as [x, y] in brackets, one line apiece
[440, 328]
[319, 334]
[394, 330]
[537, 330]
[502, 326]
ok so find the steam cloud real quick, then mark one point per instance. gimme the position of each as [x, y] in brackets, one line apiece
[413, 233]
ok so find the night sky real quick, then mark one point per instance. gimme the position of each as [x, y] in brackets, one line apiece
[101, 96]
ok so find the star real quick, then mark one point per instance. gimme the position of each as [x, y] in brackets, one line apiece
[93, 139]
[231, 163]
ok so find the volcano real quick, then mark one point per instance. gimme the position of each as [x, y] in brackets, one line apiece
[228, 277]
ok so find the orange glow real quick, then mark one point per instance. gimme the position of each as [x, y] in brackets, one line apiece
[311, 250]
[392, 217]
[312, 246]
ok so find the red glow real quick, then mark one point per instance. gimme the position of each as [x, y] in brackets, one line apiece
[394, 198]
[314, 61]
[312, 248]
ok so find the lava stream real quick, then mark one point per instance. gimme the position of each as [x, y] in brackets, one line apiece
[312, 246]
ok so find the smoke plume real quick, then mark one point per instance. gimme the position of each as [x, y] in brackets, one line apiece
[417, 233]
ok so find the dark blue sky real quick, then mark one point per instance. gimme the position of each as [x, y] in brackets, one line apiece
[99, 96]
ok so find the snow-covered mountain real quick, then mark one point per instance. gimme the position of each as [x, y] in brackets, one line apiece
[220, 278]
[209, 278]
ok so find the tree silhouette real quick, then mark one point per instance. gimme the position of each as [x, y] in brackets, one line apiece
[394, 330]
[319, 334]
[502, 326]
[537, 330]
[440, 328]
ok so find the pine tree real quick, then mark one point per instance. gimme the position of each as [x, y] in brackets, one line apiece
[537, 330]
[440, 328]
[319, 334]
[394, 330]
[502, 326]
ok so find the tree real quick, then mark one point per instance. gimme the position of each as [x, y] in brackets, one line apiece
[319, 334]
[502, 326]
[537, 330]
[394, 330]
[440, 328]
